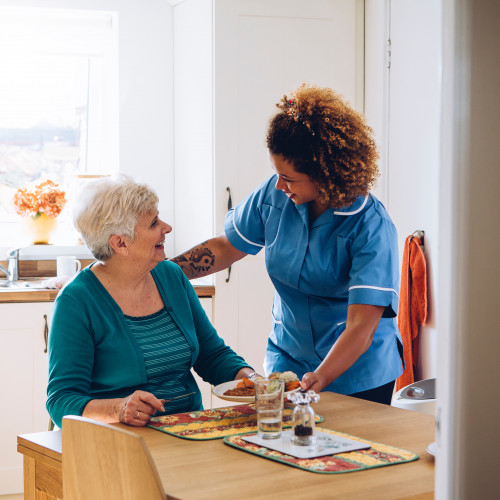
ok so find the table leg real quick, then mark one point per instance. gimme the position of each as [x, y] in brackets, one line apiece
[29, 477]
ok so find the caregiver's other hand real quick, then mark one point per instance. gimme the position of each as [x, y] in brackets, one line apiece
[138, 408]
[313, 381]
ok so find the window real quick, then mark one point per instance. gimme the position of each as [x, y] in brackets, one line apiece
[58, 102]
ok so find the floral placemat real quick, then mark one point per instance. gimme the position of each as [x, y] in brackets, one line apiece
[378, 455]
[216, 423]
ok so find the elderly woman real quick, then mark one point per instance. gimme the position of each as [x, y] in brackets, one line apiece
[336, 298]
[127, 330]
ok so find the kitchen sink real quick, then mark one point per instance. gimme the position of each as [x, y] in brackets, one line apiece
[24, 283]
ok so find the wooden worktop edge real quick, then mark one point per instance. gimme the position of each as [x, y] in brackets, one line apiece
[22, 296]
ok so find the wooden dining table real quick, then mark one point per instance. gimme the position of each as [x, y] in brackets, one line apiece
[210, 469]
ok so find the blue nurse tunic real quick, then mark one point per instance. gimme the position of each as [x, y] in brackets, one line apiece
[346, 256]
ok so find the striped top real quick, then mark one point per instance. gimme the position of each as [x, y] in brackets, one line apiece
[167, 358]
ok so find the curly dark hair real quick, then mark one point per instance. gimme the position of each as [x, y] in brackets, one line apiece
[324, 138]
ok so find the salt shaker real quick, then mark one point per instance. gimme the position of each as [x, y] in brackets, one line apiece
[303, 417]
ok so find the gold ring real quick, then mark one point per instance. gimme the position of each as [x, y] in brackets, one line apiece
[138, 412]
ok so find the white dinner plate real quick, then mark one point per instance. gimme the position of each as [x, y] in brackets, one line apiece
[431, 449]
[220, 389]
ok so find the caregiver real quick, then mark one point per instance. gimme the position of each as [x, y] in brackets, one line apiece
[330, 249]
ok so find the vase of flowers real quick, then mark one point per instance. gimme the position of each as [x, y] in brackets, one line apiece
[40, 205]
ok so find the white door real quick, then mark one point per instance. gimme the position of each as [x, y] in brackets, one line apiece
[263, 50]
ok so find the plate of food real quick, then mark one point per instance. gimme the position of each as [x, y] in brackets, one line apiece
[242, 391]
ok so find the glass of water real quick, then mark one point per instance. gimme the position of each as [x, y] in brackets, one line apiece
[269, 406]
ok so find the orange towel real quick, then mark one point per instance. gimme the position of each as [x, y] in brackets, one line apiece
[412, 306]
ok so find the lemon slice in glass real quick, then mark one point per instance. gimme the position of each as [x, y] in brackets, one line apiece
[273, 385]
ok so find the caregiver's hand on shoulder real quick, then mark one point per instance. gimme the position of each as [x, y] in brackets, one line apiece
[138, 408]
[314, 381]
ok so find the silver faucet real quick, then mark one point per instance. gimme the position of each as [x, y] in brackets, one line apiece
[12, 271]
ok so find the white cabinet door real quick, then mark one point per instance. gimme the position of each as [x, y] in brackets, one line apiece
[205, 387]
[23, 384]
[233, 60]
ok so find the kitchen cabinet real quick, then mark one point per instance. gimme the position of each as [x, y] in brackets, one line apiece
[23, 384]
[233, 60]
[205, 387]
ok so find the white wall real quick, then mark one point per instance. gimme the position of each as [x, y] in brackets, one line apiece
[145, 87]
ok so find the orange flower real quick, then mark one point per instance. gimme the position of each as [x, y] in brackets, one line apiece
[46, 197]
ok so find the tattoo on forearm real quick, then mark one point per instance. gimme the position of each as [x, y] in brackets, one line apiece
[180, 259]
[202, 260]
[198, 260]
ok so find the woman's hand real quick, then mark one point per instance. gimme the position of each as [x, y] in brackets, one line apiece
[313, 381]
[135, 409]
[138, 408]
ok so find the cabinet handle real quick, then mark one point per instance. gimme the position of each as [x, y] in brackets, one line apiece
[45, 332]
[229, 206]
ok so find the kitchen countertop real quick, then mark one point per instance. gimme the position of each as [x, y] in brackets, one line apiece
[49, 295]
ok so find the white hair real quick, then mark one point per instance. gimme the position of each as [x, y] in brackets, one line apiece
[108, 206]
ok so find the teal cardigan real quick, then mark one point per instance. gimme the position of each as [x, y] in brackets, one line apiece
[93, 354]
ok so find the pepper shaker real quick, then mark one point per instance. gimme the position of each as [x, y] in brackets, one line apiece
[303, 421]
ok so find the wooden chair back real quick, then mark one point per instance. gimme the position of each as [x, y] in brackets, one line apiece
[102, 461]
